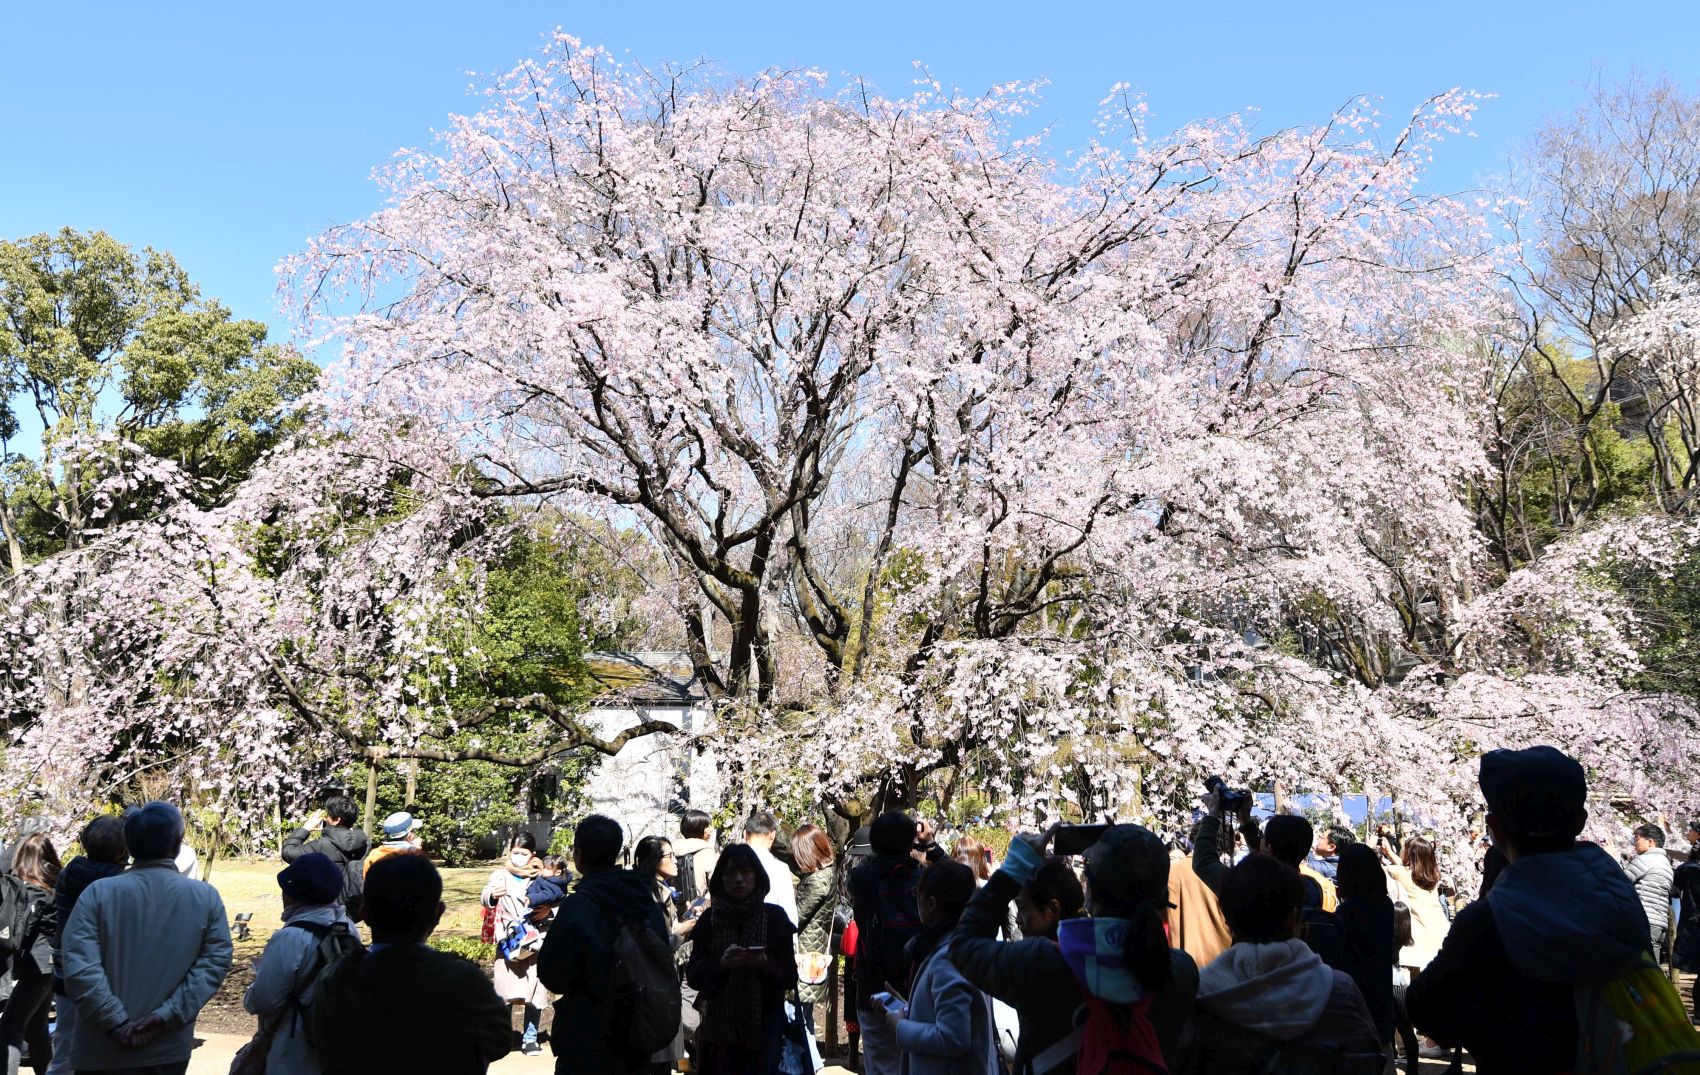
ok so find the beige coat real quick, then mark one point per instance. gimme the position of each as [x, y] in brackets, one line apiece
[515, 979]
[1428, 921]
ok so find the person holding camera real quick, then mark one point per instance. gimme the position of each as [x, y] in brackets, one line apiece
[1286, 837]
[333, 833]
[1137, 992]
[1212, 838]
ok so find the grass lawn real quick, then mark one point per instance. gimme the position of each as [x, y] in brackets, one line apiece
[250, 884]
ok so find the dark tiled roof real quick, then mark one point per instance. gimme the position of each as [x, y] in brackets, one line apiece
[645, 678]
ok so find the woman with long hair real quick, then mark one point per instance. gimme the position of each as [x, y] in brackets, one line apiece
[36, 865]
[945, 1028]
[1364, 918]
[742, 964]
[817, 900]
[1416, 877]
[976, 856]
[654, 861]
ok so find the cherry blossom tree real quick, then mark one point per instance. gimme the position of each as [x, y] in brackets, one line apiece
[872, 369]
[1064, 481]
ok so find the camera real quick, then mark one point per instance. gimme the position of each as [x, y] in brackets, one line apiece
[1075, 839]
[1233, 800]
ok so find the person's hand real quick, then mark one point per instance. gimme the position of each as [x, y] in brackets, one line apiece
[139, 1033]
[892, 1018]
[683, 929]
[315, 821]
[1039, 841]
[1213, 802]
[1243, 814]
[738, 956]
[924, 831]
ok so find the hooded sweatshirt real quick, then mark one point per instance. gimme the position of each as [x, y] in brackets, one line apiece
[1257, 1001]
[1503, 985]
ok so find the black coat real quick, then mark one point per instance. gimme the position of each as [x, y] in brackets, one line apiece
[575, 962]
[409, 1008]
[1687, 888]
[1367, 953]
[77, 875]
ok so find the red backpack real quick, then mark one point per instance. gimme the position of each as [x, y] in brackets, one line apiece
[1118, 1039]
[1108, 1039]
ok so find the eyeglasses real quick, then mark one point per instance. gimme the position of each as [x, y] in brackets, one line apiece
[668, 855]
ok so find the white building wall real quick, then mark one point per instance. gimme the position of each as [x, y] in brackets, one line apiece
[651, 778]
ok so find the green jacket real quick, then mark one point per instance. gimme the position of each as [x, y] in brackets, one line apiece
[817, 900]
[576, 960]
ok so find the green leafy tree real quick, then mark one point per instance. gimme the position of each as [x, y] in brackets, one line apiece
[529, 642]
[97, 338]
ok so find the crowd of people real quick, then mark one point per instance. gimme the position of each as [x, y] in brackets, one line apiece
[1250, 947]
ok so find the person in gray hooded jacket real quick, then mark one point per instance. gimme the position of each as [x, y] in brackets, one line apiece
[1561, 914]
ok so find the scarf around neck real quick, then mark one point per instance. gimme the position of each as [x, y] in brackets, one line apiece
[732, 1015]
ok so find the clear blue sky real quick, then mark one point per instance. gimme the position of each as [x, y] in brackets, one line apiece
[229, 132]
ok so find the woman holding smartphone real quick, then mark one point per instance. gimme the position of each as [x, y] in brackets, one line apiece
[742, 964]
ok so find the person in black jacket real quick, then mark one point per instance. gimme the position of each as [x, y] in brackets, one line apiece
[332, 832]
[882, 898]
[1685, 955]
[1364, 919]
[35, 869]
[578, 953]
[402, 1005]
[1561, 914]
[104, 855]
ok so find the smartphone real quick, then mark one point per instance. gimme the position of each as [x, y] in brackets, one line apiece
[1074, 839]
[758, 952]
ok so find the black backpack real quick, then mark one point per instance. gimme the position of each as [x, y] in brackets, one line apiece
[645, 986]
[354, 888]
[886, 890]
[15, 903]
[337, 942]
[689, 893]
